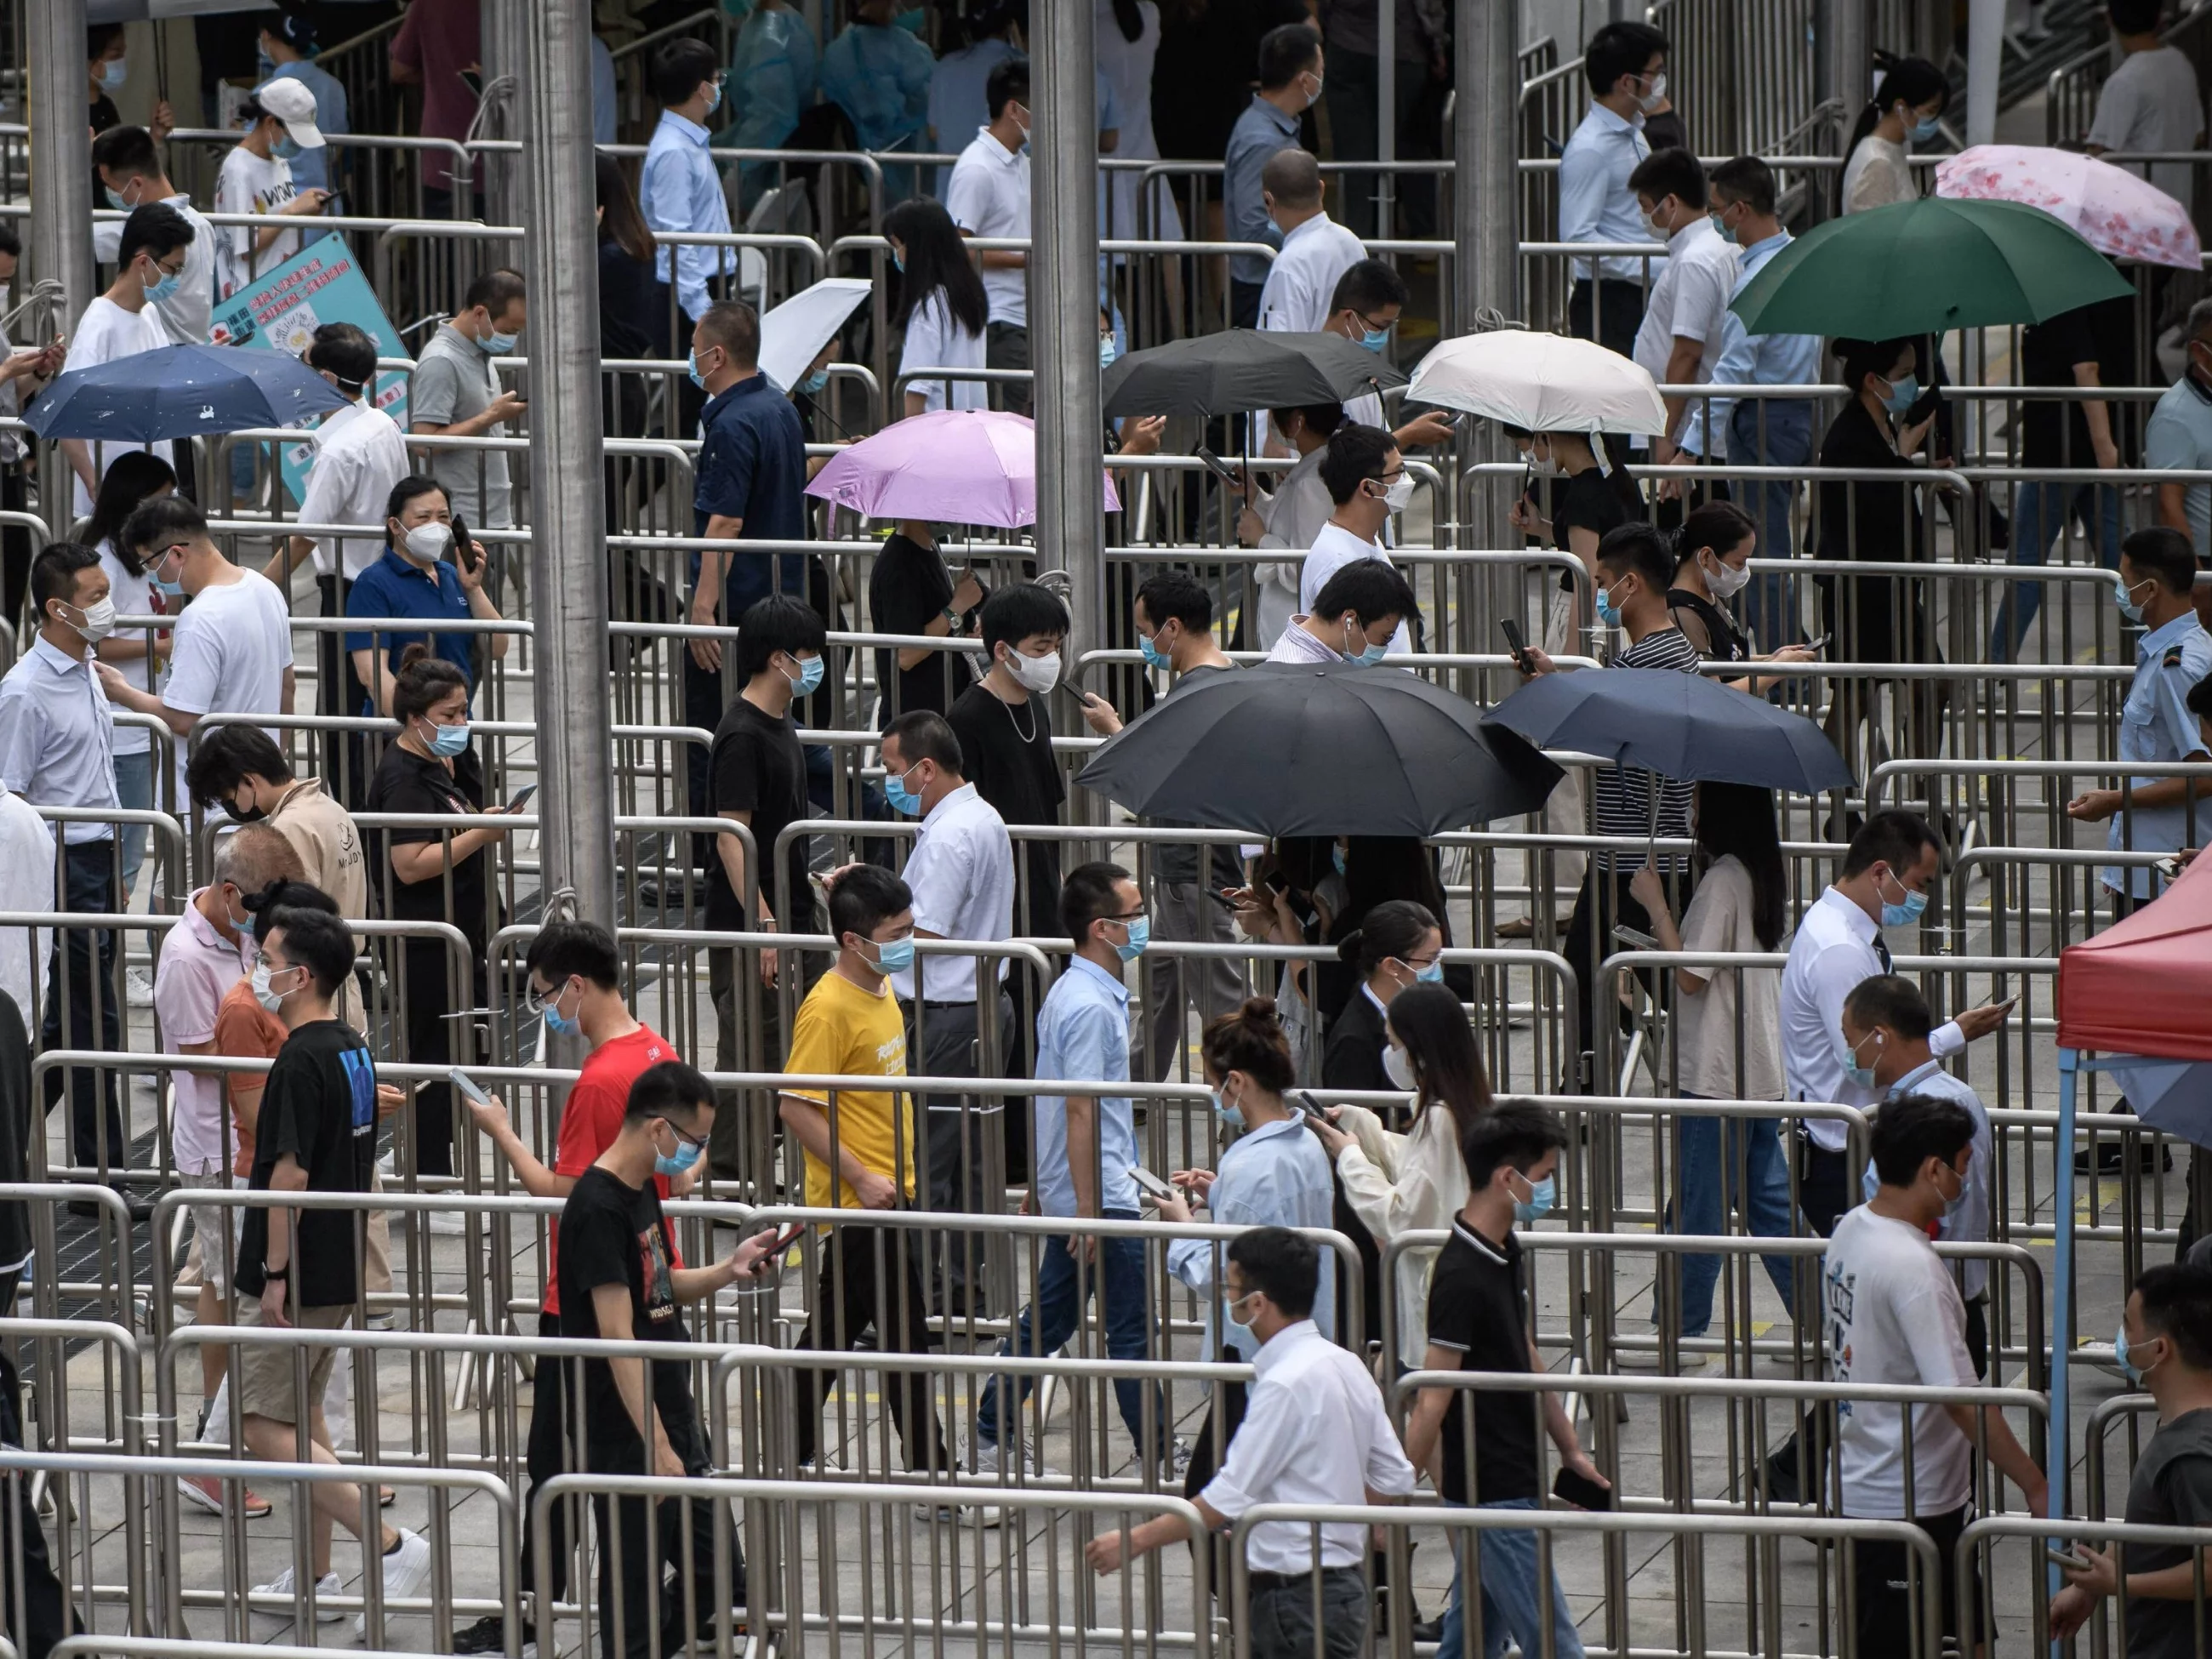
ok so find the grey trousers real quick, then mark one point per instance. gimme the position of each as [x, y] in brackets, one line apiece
[1182, 912]
[1280, 1612]
[947, 1037]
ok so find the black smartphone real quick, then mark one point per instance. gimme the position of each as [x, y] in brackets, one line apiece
[1517, 646]
[1581, 1491]
[1222, 898]
[1150, 1182]
[1819, 644]
[522, 799]
[1219, 468]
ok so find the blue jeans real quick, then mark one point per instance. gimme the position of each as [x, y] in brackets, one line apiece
[134, 788]
[1511, 1610]
[2039, 516]
[1063, 1287]
[1770, 432]
[1713, 1151]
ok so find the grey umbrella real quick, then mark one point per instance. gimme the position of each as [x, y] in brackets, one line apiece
[1243, 369]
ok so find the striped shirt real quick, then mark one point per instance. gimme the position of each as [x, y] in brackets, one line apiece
[1623, 793]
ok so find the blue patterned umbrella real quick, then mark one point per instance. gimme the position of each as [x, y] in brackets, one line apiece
[181, 391]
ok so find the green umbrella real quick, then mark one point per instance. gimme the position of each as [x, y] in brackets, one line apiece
[1924, 267]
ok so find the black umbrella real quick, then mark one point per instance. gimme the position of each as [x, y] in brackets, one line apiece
[1296, 749]
[1680, 725]
[1243, 369]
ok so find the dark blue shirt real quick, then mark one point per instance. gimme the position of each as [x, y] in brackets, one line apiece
[752, 466]
[395, 586]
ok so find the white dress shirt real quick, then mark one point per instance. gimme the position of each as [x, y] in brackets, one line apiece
[962, 872]
[1831, 955]
[1689, 301]
[26, 883]
[1304, 278]
[989, 196]
[1333, 548]
[1289, 519]
[1596, 204]
[1314, 1432]
[360, 454]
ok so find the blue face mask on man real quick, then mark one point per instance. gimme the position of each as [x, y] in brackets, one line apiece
[901, 799]
[1154, 657]
[2135, 1373]
[814, 382]
[1720, 224]
[1906, 910]
[1608, 614]
[286, 148]
[681, 1160]
[809, 682]
[894, 956]
[563, 1025]
[1538, 1204]
[1139, 936]
[1376, 338]
[2130, 606]
[1860, 1077]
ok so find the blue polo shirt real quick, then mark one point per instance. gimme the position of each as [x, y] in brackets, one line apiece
[395, 586]
[752, 466]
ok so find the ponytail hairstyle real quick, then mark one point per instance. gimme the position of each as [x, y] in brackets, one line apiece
[424, 680]
[1720, 526]
[1432, 1027]
[1250, 1041]
[1908, 81]
[1393, 929]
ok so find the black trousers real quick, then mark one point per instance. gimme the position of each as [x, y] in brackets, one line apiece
[16, 554]
[871, 1277]
[1244, 303]
[545, 1455]
[636, 1597]
[1602, 905]
[345, 754]
[1882, 1586]
[1608, 310]
[83, 1011]
[47, 1615]
[1205, 1455]
[435, 1006]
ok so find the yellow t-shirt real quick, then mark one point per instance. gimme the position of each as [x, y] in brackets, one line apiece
[843, 1029]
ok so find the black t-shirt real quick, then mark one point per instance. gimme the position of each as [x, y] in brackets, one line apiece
[1007, 753]
[612, 1233]
[2103, 333]
[2172, 1487]
[1478, 1304]
[407, 782]
[757, 765]
[908, 586]
[1588, 501]
[319, 1106]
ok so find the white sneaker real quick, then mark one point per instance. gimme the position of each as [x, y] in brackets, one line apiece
[279, 1589]
[138, 987]
[405, 1571]
[1175, 1467]
[447, 1223]
[987, 1459]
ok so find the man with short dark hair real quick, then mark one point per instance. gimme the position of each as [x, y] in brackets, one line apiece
[150, 258]
[680, 188]
[129, 165]
[1365, 472]
[1626, 64]
[1364, 307]
[620, 1279]
[988, 195]
[2165, 1346]
[1086, 1145]
[1480, 1447]
[455, 393]
[1314, 1432]
[360, 455]
[1679, 340]
[1290, 68]
[1894, 1316]
[1354, 617]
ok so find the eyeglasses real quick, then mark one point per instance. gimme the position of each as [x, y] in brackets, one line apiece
[536, 1002]
[683, 1139]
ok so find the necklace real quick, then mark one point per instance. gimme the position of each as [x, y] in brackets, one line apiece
[1027, 737]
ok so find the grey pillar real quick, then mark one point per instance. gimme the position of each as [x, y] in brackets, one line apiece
[505, 50]
[61, 155]
[567, 553]
[1842, 61]
[1064, 307]
[1486, 214]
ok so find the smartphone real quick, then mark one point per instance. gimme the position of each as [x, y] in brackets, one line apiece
[1516, 645]
[2064, 1558]
[1305, 1102]
[461, 1080]
[522, 799]
[1581, 1491]
[2169, 868]
[1219, 468]
[784, 1240]
[1819, 644]
[1633, 939]
[1150, 1182]
[1223, 899]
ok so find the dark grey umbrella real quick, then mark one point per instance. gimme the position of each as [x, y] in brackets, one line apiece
[1243, 369]
[1298, 749]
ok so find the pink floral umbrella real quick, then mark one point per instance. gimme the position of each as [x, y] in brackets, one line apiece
[957, 466]
[2111, 209]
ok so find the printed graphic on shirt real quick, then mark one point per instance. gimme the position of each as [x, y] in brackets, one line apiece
[652, 1261]
[1840, 1287]
[360, 1080]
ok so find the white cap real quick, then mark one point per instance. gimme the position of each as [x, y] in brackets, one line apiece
[292, 103]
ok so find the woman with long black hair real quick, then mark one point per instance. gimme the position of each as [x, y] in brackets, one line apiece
[941, 307]
[1727, 1024]
[1877, 167]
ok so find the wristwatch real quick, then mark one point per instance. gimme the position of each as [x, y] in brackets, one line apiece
[282, 1272]
[953, 618]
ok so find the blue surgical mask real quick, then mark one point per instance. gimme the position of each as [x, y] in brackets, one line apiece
[814, 382]
[713, 97]
[112, 73]
[115, 199]
[899, 261]
[264, 67]
[810, 676]
[1371, 655]
[448, 740]
[680, 1160]
[1902, 392]
[1608, 615]
[165, 288]
[497, 344]
[1431, 974]
[1336, 858]
[1154, 657]
[901, 799]
[286, 148]
[1140, 935]
[1720, 225]
[2132, 1371]
[692, 368]
[563, 1025]
[894, 956]
[169, 588]
[1376, 338]
[1926, 130]
[1859, 1077]
[1538, 1204]
[1232, 1114]
[1906, 911]
[2130, 607]
[1106, 352]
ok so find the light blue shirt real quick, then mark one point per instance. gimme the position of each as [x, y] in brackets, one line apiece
[682, 192]
[1596, 204]
[2179, 438]
[58, 738]
[311, 168]
[1750, 359]
[605, 99]
[1083, 1033]
[1966, 1222]
[2155, 725]
[1259, 131]
[1275, 1175]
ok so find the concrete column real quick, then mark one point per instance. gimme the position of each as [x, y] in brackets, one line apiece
[568, 554]
[1064, 307]
[1485, 215]
[61, 155]
[505, 46]
[1842, 61]
[1984, 45]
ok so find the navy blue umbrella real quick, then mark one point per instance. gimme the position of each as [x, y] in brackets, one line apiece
[181, 391]
[1680, 725]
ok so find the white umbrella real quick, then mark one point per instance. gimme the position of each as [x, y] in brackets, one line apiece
[1540, 383]
[793, 334]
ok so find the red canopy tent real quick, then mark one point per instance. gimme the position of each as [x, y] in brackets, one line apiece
[2144, 986]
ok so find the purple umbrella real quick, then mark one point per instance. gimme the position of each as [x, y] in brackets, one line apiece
[956, 466]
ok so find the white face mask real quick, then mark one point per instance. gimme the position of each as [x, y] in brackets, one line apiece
[1399, 492]
[426, 544]
[99, 621]
[1547, 466]
[1398, 1068]
[1724, 581]
[1036, 675]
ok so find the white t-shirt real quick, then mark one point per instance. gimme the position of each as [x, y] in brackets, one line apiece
[1894, 1316]
[1877, 175]
[1719, 919]
[360, 454]
[234, 644]
[185, 315]
[1689, 300]
[104, 332]
[989, 196]
[247, 183]
[1333, 548]
[935, 339]
[133, 594]
[2151, 103]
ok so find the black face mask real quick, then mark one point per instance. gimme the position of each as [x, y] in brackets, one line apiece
[244, 814]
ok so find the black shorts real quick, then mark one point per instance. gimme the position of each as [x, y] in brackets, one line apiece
[1881, 1574]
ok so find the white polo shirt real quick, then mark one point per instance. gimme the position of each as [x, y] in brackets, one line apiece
[1303, 280]
[1333, 548]
[962, 872]
[360, 454]
[989, 196]
[1689, 299]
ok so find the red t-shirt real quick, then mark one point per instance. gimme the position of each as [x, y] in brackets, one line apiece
[592, 1119]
